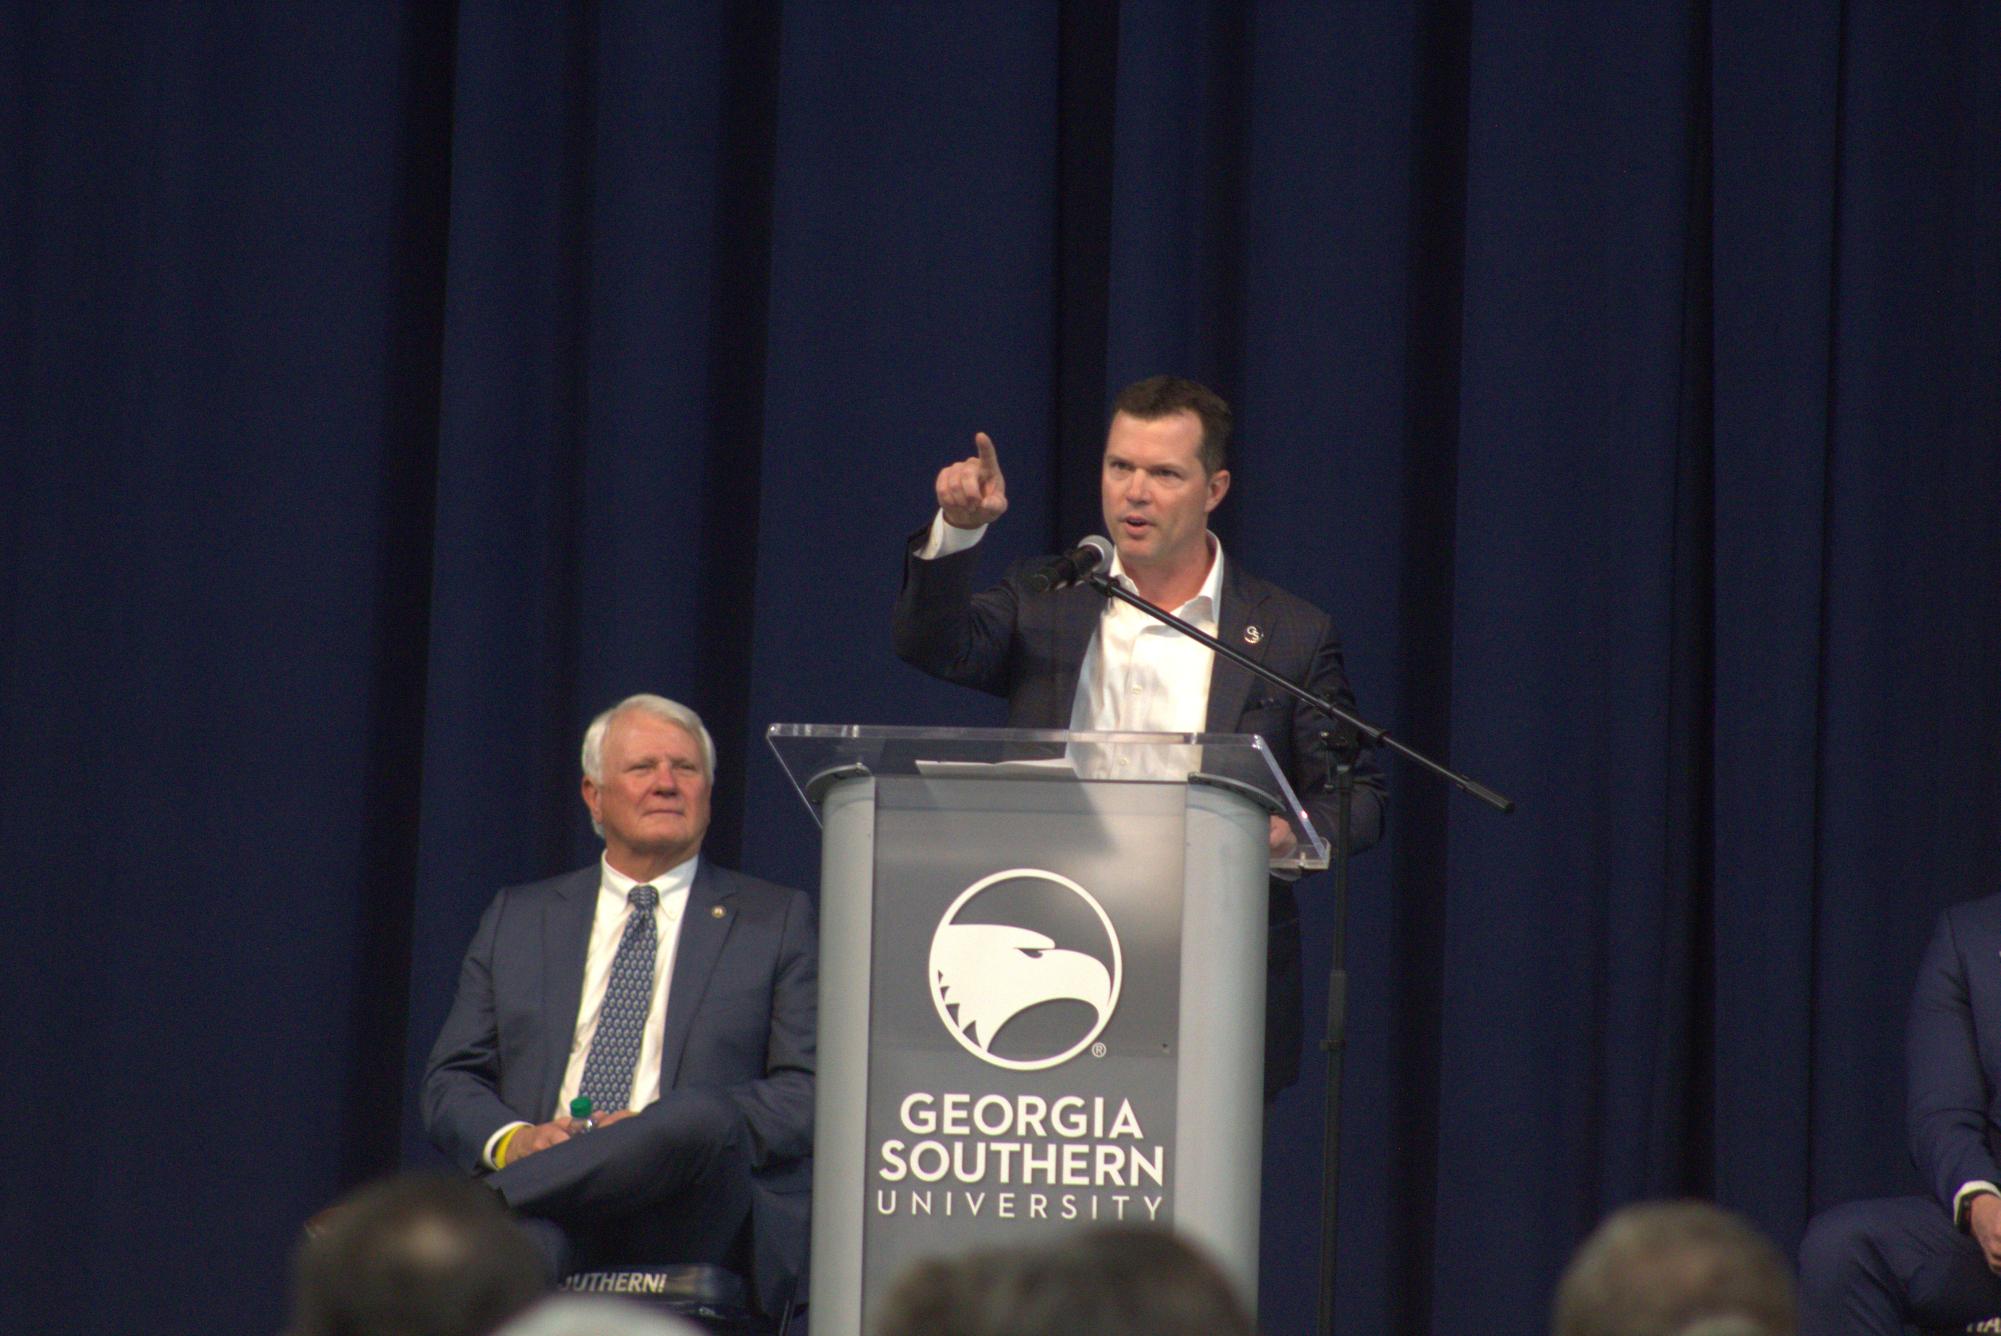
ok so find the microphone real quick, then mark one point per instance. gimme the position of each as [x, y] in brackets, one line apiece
[1061, 572]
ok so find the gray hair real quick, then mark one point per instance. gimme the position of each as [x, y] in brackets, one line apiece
[673, 711]
[1675, 1269]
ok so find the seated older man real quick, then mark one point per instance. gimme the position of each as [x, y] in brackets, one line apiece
[675, 995]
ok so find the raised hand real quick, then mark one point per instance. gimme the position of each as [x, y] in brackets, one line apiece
[972, 491]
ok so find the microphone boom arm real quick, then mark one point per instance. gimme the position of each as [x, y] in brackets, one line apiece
[1366, 731]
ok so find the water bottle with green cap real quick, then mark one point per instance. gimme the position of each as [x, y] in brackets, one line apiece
[580, 1109]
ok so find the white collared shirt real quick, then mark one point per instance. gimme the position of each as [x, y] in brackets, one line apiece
[607, 929]
[1143, 676]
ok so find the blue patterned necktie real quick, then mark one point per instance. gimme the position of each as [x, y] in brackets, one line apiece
[628, 996]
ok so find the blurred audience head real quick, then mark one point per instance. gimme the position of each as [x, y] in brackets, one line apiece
[419, 1255]
[1681, 1268]
[1120, 1280]
[595, 1315]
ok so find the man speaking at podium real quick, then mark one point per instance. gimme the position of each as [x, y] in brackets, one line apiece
[1070, 658]
[677, 995]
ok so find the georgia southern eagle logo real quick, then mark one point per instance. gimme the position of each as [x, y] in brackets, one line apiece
[984, 974]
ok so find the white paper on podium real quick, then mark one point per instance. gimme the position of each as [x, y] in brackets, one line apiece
[1046, 768]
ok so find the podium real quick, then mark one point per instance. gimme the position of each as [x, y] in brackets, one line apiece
[1042, 979]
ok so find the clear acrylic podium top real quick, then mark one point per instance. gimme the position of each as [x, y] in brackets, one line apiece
[818, 756]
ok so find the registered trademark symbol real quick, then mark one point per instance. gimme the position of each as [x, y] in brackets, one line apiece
[1097, 1050]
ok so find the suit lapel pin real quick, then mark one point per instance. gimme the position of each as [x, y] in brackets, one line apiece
[715, 911]
[1252, 635]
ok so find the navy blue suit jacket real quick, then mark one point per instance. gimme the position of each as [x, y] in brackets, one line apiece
[1954, 1046]
[741, 1011]
[1030, 648]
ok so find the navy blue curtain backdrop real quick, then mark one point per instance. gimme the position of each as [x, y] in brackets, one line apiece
[383, 390]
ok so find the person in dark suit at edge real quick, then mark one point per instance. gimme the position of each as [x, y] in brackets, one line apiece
[678, 995]
[1930, 1261]
[1073, 659]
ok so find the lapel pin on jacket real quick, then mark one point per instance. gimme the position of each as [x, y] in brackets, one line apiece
[715, 911]
[1252, 635]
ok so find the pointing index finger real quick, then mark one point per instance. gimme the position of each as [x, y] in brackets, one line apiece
[989, 465]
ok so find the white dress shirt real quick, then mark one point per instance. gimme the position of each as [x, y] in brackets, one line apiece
[607, 929]
[1142, 676]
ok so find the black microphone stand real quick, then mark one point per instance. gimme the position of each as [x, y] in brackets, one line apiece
[1347, 736]
[1346, 751]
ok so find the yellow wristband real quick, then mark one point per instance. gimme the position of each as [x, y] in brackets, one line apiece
[500, 1151]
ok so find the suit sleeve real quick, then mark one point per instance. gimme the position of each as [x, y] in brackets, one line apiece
[461, 1104]
[1313, 771]
[944, 629]
[778, 1107]
[1949, 1091]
